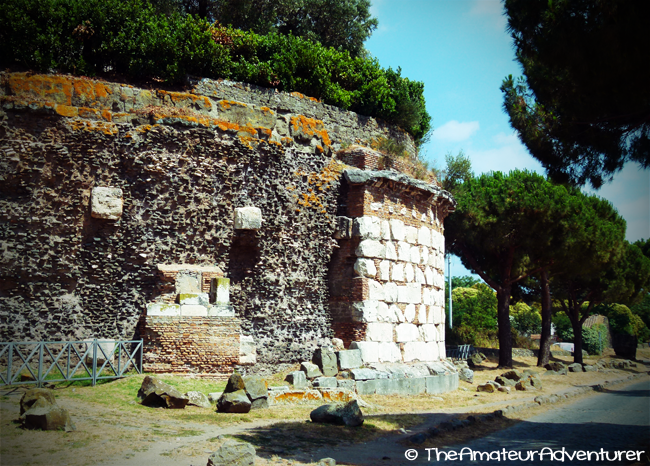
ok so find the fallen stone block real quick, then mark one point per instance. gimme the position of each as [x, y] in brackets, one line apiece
[466, 375]
[156, 393]
[198, 399]
[256, 389]
[32, 396]
[311, 370]
[297, 378]
[512, 375]
[575, 367]
[234, 402]
[348, 414]
[486, 387]
[349, 359]
[325, 359]
[325, 382]
[45, 416]
[233, 453]
[364, 374]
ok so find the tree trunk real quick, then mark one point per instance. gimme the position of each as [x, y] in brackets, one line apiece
[577, 337]
[545, 338]
[503, 319]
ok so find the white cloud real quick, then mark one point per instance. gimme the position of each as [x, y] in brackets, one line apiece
[507, 153]
[454, 131]
[491, 11]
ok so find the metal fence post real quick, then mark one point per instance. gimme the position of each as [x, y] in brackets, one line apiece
[94, 376]
[11, 353]
[39, 382]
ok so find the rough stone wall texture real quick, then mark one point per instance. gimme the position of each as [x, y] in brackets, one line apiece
[183, 161]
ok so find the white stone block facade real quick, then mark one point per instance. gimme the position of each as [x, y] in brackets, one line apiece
[402, 266]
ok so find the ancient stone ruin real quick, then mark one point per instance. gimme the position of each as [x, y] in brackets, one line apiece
[225, 225]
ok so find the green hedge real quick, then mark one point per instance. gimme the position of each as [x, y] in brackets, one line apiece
[129, 38]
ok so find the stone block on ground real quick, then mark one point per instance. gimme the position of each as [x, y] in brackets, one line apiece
[349, 359]
[198, 399]
[466, 375]
[364, 374]
[310, 369]
[235, 382]
[234, 402]
[256, 389]
[347, 414]
[486, 387]
[325, 359]
[535, 381]
[476, 359]
[575, 367]
[45, 416]
[233, 453]
[505, 381]
[156, 393]
[524, 385]
[554, 366]
[33, 395]
[297, 378]
[512, 375]
[325, 382]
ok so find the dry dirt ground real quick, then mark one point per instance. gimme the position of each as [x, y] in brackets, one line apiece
[116, 431]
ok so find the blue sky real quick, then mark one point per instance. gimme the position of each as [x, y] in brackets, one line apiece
[461, 51]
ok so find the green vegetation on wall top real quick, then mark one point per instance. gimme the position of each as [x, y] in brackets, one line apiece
[130, 38]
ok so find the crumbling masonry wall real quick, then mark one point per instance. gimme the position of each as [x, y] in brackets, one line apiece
[184, 161]
[386, 278]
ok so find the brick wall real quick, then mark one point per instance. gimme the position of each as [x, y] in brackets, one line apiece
[206, 345]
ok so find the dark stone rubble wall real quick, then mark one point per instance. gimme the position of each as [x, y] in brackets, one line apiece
[65, 275]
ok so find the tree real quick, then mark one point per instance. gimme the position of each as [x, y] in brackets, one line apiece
[583, 109]
[344, 24]
[500, 230]
[587, 274]
[458, 170]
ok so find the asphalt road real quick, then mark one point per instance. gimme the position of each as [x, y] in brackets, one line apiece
[601, 426]
[607, 423]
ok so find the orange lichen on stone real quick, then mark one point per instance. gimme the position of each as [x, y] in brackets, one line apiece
[336, 395]
[178, 97]
[85, 112]
[310, 127]
[66, 110]
[321, 180]
[54, 88]
[109, 129]
[265, 131]
[226, 104]
[303, 96]
[286, 141]
[267, 110]
[107, 115]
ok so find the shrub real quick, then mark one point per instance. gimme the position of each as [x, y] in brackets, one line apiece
[525, 319]
[131, 38]
[623, 321]
[475, 315]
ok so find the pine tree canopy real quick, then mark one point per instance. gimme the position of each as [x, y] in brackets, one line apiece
[583, 108]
